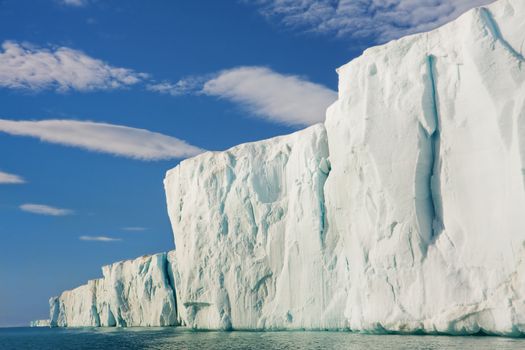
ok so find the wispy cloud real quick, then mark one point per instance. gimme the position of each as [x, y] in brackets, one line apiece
[24, 66]
[76, 3]
[99, 238]
[182, 87]
[6, 178]
[281, 98]
[134, 229]
[286, 99]
[381, 20]
[101, 137]
[43, 209]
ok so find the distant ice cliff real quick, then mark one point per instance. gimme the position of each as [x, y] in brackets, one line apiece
[40, 323]
[132, 293]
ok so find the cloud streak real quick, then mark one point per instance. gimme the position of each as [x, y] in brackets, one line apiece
[280, 98]
[6, 178]
[105, 138]
[99, 239]
[42, 209]
[182, 87]
[24, 66]
[380, 20]
[134, 229]
[75, 3]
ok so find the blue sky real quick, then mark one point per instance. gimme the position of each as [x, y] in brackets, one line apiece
[100, 98]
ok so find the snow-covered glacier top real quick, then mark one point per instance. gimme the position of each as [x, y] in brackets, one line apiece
[403, 212]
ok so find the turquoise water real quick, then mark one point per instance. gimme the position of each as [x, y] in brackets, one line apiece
[180, 338]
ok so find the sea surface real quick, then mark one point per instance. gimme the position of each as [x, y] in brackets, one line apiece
[180, 338]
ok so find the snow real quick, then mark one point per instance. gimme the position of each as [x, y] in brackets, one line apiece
[131, 293]
[403, 212]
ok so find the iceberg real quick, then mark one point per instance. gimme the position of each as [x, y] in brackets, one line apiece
[40, 323]
[131, 293]
[403, 212]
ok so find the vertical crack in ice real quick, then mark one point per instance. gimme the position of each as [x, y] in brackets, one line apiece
[435, 147]
[325, 169]
[428, 194]
[170, 275]
[493, 27]
[96, 316]
[94, 302]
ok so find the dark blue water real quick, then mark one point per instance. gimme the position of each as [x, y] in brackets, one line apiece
[180, 338]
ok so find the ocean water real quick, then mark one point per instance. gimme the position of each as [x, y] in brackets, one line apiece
[180, 338]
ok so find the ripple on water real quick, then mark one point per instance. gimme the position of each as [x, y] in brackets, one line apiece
[179, 338]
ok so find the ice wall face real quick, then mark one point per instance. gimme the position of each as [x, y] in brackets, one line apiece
[131, 293]
[138, 292]
[248, 226]
[403, 213]
[427, 140]
[76, 307]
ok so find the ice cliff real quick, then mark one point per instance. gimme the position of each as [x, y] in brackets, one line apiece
[403, 212]
[40, 323]
[131, 293]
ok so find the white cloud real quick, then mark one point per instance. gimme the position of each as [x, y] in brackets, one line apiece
[134, 229]
[76, 3]
[99, 238]
[281, 98]
[381, 20]
[42, 209]
[6, 178]
[24, 66]
[286, 99]
[101, 137]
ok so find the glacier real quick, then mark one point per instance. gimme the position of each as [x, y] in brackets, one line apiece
[403, 212]
[131, 293]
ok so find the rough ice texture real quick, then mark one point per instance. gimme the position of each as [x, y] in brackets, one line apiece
[248, 224]
[131, 293]
[404, 212]
[40, 323]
